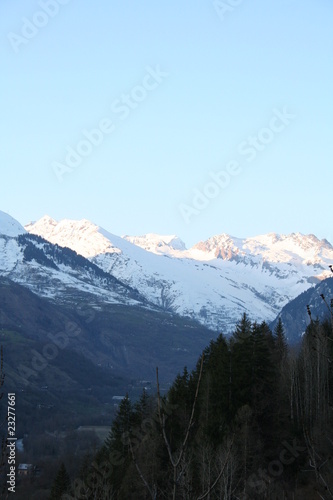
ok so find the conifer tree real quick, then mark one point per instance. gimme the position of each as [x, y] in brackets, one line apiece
[121, 427]
[61, 484]
[142, 407]
[241, 344]
[281, 346]
[263, 379]
[242, 333]
[179, 396]
[118, 441]
[285, 373]
[215, 401]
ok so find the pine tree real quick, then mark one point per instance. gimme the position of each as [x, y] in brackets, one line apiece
[117, 445]
[85, 466]
[281, 346]
[285, 380]
[215, 401]
[61, 484]
[181, 398]
[241, 344]
[243, 330]
[264, 379]
[143, 406]
[121, 426]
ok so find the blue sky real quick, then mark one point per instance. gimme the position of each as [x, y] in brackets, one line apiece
[179, 90]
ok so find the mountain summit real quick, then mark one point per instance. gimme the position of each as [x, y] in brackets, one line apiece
[156, 243]
[214, 282]
[294, 248]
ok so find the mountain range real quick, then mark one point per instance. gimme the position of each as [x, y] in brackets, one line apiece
[90, 315]
[213, 283]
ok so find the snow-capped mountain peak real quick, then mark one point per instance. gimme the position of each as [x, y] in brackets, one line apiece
[274, 248]
[10, 226]
[157, 243]
[82, 236]
[221, 246]
[215, 281]
[45, 225]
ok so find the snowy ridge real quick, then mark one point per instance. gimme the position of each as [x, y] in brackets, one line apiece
[156, 243]
[59, 273]
[215, 281]
[273, 248]
[82, 236]
[10, 226]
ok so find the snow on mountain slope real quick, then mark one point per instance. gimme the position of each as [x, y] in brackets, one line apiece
[272, 248]
[215, 281]
[55, 272]
[10, 226]
[156, 243]
[81, 236]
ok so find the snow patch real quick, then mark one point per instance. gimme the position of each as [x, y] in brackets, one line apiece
[10, 226]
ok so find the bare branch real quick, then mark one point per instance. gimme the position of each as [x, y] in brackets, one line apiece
[192, 414]
[175, 462]
[220, 474]
[152, 492]
[162, 421]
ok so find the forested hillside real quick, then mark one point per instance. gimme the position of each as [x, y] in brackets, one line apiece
[253, 420]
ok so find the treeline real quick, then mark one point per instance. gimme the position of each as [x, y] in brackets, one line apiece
[252, 420]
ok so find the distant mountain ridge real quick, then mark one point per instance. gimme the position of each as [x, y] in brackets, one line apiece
[294, 315]
[58, 272]
[213, 282]
[271, 248]
[157, 243]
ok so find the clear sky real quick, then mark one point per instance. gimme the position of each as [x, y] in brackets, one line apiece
[212, 118]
